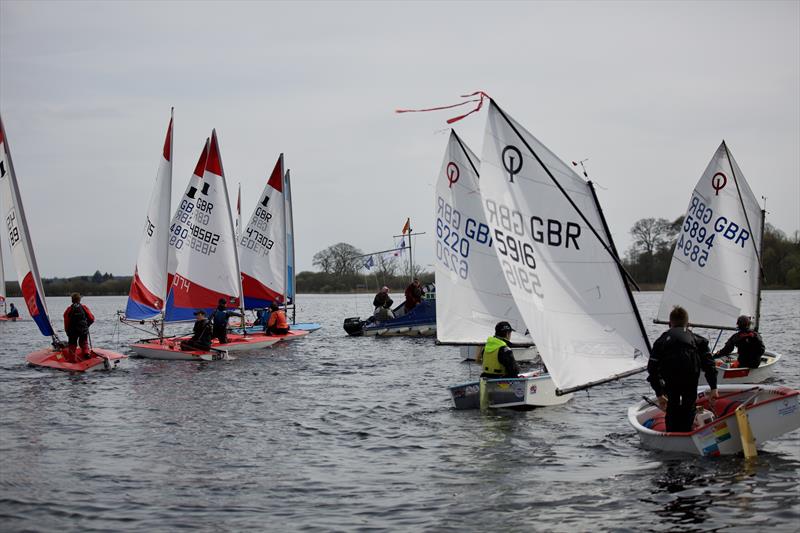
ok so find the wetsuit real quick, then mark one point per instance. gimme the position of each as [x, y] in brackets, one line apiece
[14, 313]
[749, 345]
[77, 319]
[674, 369]
[201, 337]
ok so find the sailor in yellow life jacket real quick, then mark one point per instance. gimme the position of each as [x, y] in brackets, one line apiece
[498, 360]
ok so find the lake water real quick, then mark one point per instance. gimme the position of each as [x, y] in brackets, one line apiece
[356, 434]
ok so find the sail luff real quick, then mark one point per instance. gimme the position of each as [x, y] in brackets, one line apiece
[756, 248]
[27, 259]
[292, 270]
[761, 274]
[2, 278]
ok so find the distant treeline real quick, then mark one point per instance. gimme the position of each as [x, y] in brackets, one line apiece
[321, 282]
[98, 284]
[649, 257]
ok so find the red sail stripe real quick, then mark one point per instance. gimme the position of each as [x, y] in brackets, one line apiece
[276, 178]
[168, 142]
[214, 163]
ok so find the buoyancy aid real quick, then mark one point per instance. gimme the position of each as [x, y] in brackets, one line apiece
[78, 320]
[491, 362]
[277, 320]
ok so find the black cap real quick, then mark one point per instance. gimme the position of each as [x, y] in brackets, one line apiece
[222, 301]
[199, 312]
[502, 328]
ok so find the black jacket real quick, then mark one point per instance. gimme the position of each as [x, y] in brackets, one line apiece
[677, 359]
[201, 334]
[382, 300]
[749, 345]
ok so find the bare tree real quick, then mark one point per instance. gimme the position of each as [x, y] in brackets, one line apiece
[652, 234]
[340, 259]
[324, 260]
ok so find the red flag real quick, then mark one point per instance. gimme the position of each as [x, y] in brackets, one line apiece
[407, 226]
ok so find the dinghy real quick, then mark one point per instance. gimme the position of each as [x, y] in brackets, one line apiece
[715, 272]
[30, 280]
[266, 249]
[770, 410]
[473, 295]
[558, 259]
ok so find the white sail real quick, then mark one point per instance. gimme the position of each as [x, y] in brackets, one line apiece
[556, 257]
[19, 239]
[149, 285]
[715, 267]
[2, 279]
[290, 259]
[207, 266]
[262, 246]
[471, 293]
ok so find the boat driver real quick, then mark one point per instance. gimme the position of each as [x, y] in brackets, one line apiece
[674, 370]
[747, 342]
[498, 359]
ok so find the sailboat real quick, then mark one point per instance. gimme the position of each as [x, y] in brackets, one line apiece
[715, 273]
[206, 263]
[559, 260]
[31, 283]
[264, 251]
[419, 321]
[472, 295]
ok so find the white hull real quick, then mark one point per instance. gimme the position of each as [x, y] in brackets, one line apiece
[170, 350]
[771, 410]
[534, 389]
[727, 375]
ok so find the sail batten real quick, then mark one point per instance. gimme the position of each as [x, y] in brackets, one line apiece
[558, 260]
[715, 269]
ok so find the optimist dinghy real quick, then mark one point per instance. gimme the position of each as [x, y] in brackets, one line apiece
[473, 295]
[715, 273]
[559, 262]
[771, 411]
[56, 357]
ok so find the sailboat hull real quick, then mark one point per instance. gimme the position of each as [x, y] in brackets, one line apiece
[57, 359]
[170, 350]
[771, 410]
[418, 322]
[727, 374]
[533, 389]
[10, 319]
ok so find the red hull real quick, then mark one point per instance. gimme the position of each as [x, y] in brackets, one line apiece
[100, 360]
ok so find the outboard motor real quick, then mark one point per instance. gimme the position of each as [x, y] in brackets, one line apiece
[354, 326]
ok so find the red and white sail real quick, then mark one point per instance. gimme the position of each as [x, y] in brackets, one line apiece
[207, 266]
[16, 227]
[715, 267]
[558, 260]
[262, 245]
[471, 294]
[2, 278]
[149, 286]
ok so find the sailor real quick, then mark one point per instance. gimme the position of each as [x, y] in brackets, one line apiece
[498, 359]
[747, 342]
[674, 370]
[382, 299]
[261, 318]
[277, 324]
[77, 319]
[13, 312]
[219, 318]
[413, 295]
[201, 334]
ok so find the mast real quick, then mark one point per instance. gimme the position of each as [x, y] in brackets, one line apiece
[761, 274]
[410, 257]
[285, 243]
[290, 224]
[166, 241]
[2, 278]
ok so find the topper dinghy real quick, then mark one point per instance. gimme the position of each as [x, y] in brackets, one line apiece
[473, 294]
[57, 357]
[715, 273]
[771, 411]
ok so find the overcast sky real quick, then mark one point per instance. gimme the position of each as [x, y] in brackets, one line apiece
[645, 90]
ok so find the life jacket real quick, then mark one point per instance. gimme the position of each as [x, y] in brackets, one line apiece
[491, 362]
[750, 347]
[277, 320]
[202, 333]
[78, 320]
